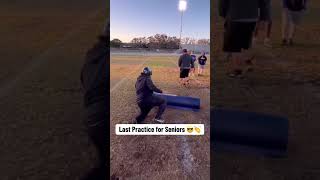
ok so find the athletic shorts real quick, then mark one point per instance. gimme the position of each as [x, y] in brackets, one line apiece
[293, 16]
[265, 15]
[184, 73]
[201, 66]
[238, 36]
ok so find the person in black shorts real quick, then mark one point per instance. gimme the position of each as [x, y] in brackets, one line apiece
[240, 22]
[185, 63]
[265, 23]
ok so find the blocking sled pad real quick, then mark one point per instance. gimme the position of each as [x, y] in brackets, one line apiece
[181, 102]
[249, 132]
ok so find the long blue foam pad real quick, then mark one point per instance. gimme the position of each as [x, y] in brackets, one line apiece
[181, 101]
[241, 131]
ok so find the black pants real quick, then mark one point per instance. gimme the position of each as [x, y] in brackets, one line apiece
[238, 36]
[147, 104]
[99, 137]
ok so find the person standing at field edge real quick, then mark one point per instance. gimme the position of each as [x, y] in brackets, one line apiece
[201, 63]
[293, 10]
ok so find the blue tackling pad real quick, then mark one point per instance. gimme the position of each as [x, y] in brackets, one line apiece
[181, 102]
[249, 132]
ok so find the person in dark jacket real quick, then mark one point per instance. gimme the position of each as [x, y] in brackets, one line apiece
[240, 22]
[146, 100]
[293, 11]
[95, 86]
[185, 63]
[202, 62]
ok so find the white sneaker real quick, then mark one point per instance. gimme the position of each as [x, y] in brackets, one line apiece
[159, 120]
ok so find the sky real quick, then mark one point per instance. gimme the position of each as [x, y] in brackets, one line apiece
[143, 18]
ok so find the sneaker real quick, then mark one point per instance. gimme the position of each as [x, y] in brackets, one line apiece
[159, 120]
[267, 43]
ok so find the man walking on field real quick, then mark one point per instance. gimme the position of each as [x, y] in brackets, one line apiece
[185, 63]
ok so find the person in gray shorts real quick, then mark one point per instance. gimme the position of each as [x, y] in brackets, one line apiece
[293, 10]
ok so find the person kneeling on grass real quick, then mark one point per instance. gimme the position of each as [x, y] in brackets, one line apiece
[185, 63]
[146, 99]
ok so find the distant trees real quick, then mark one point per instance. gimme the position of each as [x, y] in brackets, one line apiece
[188, 40]
[140, 42]
[116, 43]
[158, 41]
[193, 41]
[204, 41]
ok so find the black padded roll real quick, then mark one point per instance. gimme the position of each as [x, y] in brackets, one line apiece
[181, 101]
[232, 129]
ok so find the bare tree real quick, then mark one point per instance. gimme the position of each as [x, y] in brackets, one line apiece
[204, 41]
[185, 40]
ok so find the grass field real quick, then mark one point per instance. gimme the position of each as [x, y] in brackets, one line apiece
[157, 157]
[286, 82]
[43, 44]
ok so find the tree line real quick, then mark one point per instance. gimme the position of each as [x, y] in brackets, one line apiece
[158, 41]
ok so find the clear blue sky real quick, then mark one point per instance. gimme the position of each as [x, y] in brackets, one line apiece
[139, 18]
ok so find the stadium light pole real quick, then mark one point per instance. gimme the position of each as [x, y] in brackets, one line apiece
[182, 8]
